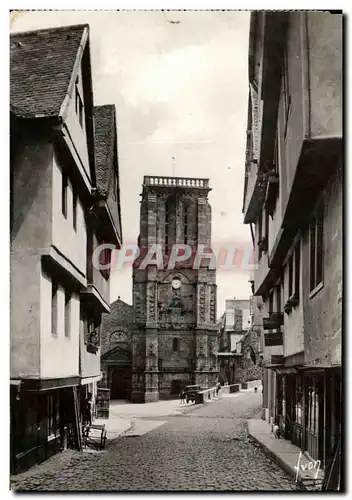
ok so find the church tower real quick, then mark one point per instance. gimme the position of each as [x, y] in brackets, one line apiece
[175, 343]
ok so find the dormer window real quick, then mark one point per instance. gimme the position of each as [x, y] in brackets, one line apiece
[79, 103]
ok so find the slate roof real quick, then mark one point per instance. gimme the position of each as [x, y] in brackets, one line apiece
[41, 65]
[104, 138]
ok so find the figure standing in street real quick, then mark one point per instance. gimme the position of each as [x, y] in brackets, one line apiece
[218, 387]
[182, 396]
[88, 410]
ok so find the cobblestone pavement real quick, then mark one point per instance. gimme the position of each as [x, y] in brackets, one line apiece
[206, 448]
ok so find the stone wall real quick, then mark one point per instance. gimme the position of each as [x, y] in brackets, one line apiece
[117, 327]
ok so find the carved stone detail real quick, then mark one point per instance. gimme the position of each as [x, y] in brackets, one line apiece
[202, 349]
[202, 304]
[120, 336]
[152, 353]
[152, 306]
[213, 304]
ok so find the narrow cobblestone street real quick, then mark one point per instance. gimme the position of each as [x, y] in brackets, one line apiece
[204, 448]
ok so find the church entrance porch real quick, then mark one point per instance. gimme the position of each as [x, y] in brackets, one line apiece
[120, 378]
[116, 366]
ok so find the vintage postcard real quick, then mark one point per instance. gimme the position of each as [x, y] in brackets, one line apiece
[176, 250]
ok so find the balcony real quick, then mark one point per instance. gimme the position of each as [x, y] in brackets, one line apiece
[255, 192]
[183, 182]
[274, 322]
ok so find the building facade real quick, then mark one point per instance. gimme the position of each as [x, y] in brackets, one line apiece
[55, 193]
[293, 197]
[175, 340]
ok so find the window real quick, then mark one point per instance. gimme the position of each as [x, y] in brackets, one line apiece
[64, 194]
[166, 241]
[265, 249]
[185, 225]
[293, 266]
[67, 313]
[175, 344]
[290, 276]
[74, 209]
[54, 291]
[271, 306]
[297, 268]
[278, 298]
[316, 247]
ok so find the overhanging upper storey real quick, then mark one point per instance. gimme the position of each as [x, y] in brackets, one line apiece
[267, 36]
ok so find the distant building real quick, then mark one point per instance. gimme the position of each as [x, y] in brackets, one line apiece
[293, 197]
[238, 350]
[64, 202]
[238, 320]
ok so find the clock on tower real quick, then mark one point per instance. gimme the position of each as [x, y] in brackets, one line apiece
[176, 283]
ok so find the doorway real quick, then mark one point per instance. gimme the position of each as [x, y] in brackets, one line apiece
[120, 382]
[175, 387]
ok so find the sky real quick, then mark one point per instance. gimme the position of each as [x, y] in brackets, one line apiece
[179, 81]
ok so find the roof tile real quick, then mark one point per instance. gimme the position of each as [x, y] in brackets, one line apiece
[41, 64]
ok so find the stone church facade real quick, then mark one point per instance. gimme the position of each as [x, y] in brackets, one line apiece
[175, 338]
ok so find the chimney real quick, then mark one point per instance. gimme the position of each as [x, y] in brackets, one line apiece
[238, 320]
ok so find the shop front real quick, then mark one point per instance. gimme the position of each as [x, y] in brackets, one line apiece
[308, 410]
[41, 423]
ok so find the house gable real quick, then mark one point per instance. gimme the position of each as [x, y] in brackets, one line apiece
[44, 67]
